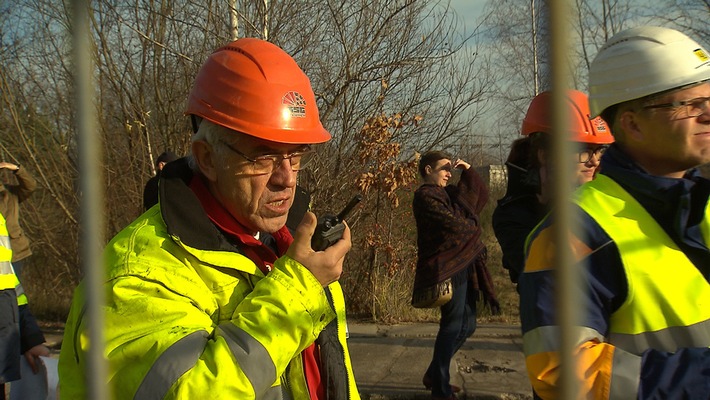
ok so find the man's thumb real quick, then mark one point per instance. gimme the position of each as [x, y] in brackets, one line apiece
[307, 225]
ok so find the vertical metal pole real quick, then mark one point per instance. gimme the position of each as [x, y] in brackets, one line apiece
[234, 19]
[568, 305]
[92, 198]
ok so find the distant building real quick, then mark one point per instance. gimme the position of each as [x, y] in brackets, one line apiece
[494, 175]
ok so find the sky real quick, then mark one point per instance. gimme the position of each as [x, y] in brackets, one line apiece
[469, 10]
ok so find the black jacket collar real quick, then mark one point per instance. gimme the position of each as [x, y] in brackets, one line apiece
[182, 212]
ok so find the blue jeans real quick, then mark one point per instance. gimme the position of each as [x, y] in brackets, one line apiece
[458, 322]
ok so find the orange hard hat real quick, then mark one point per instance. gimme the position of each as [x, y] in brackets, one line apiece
[583, 129]
[254, 87]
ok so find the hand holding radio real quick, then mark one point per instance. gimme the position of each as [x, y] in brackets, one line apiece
[317, 244]
[330, 227]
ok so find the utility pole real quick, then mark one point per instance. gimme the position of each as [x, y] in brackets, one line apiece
[541, 42]
[233, 19]
[533, 31]
[266, 20]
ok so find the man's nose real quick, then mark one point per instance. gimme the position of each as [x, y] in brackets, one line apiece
[284, 174]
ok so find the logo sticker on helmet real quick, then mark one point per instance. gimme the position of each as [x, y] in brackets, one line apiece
[599, 124]
[702, 55]
[296, 104]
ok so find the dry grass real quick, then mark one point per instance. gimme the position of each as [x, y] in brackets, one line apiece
[49, 293]
[505, 289]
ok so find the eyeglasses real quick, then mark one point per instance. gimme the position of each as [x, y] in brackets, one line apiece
[687, 108]
[267, 163]
[586, 154]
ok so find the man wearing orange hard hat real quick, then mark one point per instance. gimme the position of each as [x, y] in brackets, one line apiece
[208, 294]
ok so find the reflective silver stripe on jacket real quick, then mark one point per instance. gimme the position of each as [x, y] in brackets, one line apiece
[6, 268]
[625, 377]
[626, 366]
[254, 360]
[547, 338]
[6, 265]
[5, 241]
[19, 290]
[668, 339]
[171, 365]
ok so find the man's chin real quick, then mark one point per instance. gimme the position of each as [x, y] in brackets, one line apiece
[272, 225]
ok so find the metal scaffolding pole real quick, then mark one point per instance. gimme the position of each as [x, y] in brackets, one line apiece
[92, 198]
[568, 305]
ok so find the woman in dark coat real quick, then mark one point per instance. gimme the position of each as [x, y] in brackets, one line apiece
[450, 251]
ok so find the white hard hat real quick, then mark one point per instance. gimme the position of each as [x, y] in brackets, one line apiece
[641, 61]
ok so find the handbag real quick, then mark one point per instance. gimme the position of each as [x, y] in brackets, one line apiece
[433, 296]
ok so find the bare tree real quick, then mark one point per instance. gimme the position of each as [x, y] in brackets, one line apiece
[365, 59]
[35, 119]
[688, 16]
[511, 31]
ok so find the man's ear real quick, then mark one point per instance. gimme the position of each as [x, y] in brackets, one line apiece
[204, 156]
[427, 169]
[629, 123]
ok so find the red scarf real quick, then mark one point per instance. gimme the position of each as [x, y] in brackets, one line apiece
[264, 258]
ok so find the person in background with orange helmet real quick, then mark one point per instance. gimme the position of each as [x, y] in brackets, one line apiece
[529, 166]
[208, 293]
[641, 238]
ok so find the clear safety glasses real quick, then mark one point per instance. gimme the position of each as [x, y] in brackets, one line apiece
[686, 108]
[267, 163]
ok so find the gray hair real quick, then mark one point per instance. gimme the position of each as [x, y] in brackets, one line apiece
[210, 133]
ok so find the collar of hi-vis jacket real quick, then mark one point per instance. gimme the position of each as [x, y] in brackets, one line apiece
[182, 212]
[678, 205]
[184, 200]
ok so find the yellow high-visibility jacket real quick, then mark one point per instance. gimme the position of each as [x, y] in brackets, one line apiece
[8, 279]
[663, 310]
[11, 297]
[189, 317]
[652, 343]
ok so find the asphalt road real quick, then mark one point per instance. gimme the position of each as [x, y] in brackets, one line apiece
[390, 360]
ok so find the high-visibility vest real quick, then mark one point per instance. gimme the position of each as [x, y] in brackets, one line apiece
[8, 279]
[667, 306]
